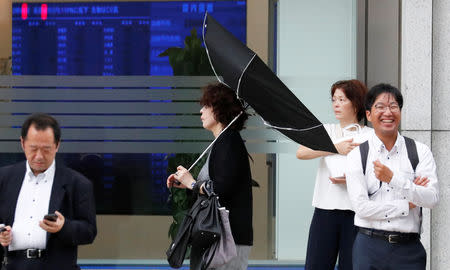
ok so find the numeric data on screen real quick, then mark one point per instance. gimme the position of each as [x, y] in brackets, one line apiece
[110, 38]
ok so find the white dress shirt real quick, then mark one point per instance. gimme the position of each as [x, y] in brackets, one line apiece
[32, 206]
[327, 195]
[388, 206]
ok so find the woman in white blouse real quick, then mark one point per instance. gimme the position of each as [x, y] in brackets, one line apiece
[332, 231]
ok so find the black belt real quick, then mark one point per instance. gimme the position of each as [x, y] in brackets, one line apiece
[30, 253]
[391, 237]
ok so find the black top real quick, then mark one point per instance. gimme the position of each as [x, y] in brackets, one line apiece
[229, 169]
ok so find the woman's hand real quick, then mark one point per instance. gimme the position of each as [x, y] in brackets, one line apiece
[181, 179]
[172, 182]
[338, 180]
[346, 146]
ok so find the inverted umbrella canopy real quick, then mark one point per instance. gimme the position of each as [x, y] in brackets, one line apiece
[243, 71]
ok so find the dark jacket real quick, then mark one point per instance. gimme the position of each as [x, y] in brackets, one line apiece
[72, 195]
[229, 169]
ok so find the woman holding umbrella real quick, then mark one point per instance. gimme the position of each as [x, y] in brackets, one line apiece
[332, 231]
[227, 166]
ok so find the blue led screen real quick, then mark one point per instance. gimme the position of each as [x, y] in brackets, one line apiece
[113, 38]
[110, 38]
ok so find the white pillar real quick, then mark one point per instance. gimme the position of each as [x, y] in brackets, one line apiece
[416, 82]
[440, 133]
[425, 84]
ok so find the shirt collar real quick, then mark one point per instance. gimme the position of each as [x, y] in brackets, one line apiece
[49, 171]
[379, 145]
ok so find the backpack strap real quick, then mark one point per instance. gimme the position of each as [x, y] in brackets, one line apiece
[414, 159]
[411, 148]
[412, 152]
[364, 151]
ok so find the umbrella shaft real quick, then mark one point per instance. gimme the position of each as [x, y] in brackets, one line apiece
[211, 144]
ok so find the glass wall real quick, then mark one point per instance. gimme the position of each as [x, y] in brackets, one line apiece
[316, 47]
[118, 38]
[105, 119]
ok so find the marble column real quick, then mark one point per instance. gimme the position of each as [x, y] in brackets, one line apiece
[425, 84]
[416, 85]
[440, 134]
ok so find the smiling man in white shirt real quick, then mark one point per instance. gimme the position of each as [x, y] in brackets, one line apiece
[388, 195]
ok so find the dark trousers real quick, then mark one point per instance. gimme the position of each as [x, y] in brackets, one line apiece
[23, 263]
[376, 254]
[331, 233]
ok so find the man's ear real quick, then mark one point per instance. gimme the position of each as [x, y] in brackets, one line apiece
[57, 145]
[22, 141]
[368, 116]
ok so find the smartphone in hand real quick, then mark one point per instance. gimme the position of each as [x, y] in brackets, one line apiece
[51, 217]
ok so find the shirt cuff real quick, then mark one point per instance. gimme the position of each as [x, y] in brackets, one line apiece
[398, 182]
[404, 208]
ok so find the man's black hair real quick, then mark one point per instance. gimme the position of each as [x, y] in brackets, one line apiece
[382, 88]
[41, 121]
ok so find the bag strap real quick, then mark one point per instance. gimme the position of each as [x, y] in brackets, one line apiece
[364, 151]
[208, 188]
[411, 148]
[414, 159]
[412, 152]
[5, 258]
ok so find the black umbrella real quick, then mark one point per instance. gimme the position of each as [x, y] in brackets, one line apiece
[243, 71]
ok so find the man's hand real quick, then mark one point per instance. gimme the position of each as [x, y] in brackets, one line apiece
[53, 226]
[420, 181]
[382, 172]
[6, 236]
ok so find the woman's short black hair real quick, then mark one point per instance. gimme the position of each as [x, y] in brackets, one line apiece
[225, 105]
[382, 88]
[41, 121]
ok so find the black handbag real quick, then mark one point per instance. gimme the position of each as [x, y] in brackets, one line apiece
[201, 228]
[177, 249]
[206, 229]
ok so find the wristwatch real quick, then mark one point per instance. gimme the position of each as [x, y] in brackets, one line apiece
[193, 184]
